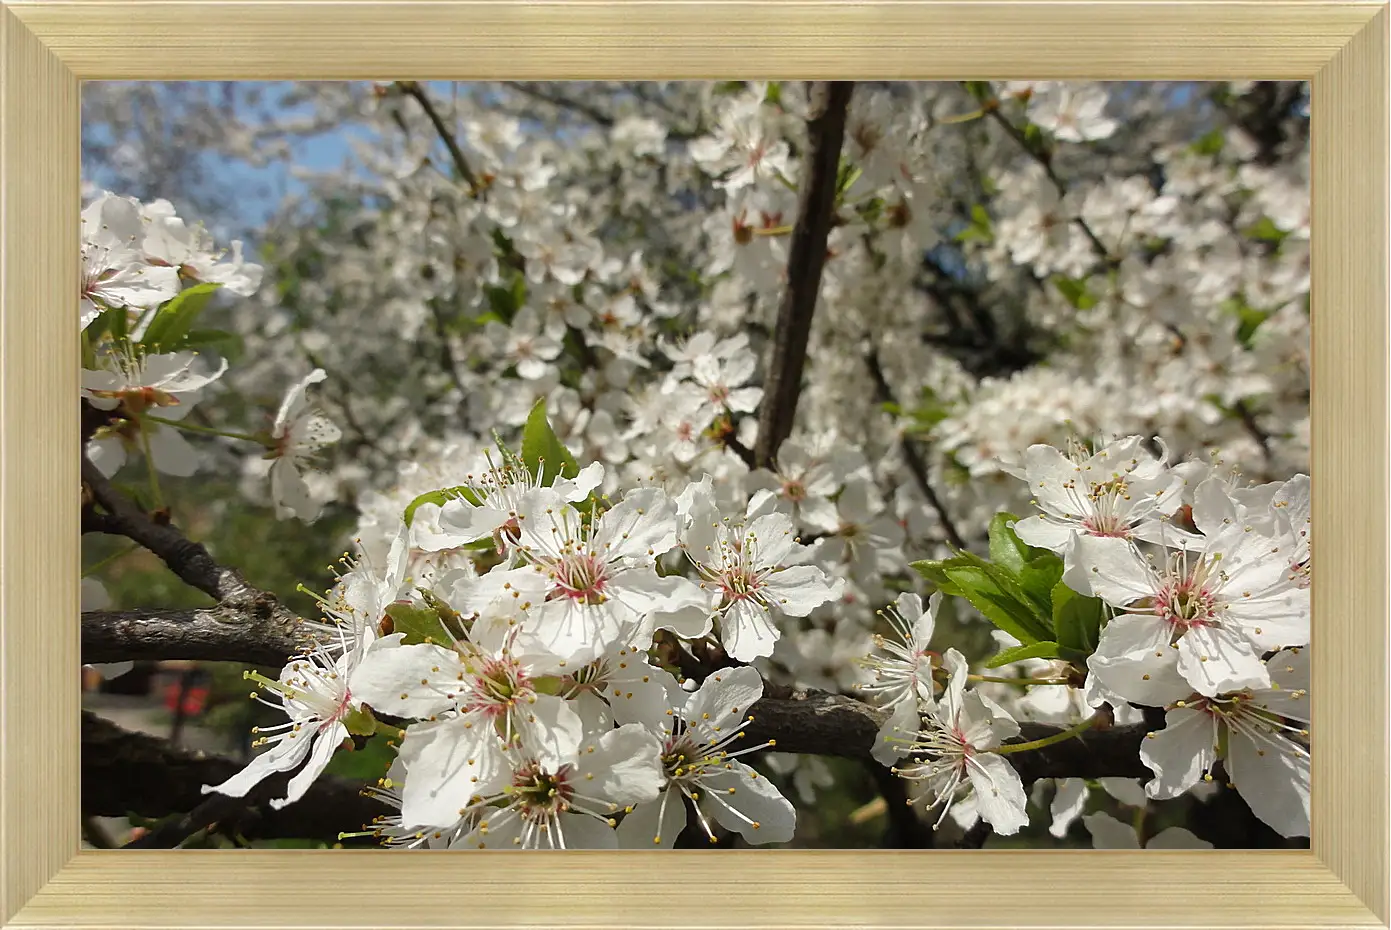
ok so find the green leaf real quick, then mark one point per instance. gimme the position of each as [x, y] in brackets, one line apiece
[544, 455]
[360, 722]
[1077, 619]
[366, 764]
[981, 90]
[1074, 291]
[1043, 650]
[1039, 577]
[228, 345]
[979, 229]
[506, 301]
[935, 574]
[774, 93]
[440, 498]
[989, 592]
[169, 329]
[846, 176]
[1249, 319]
[418, 623]
[1006, 548]
[1209, 144]
[1265, 230]
[113, 322]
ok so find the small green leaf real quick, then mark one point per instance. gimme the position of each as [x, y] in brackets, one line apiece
[418, 623]
[1020, 653]
[440, 498]
[1077, 619]
[228, 345]
[169, 329]
[1209, 144]
[989, 593]
[846, 176]
[1006, 549]
[360, 722]
[544, 455]
[1039, 577]
[112, 322]
[935, 575]
[1265, 230]
[1074, 291]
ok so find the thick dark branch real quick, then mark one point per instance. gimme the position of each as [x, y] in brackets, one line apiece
[821, 723]
[187, 559]
[1248, 420]
[738, 448]
[906, 829]
[416, 90]
[884, 394]
[812, 722]
[816, 197]
[206, 634]
[133, 773]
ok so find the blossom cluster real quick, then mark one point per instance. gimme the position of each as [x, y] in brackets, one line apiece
[536, 712]
[147, 279]
[1012, 269]
[1173, 587]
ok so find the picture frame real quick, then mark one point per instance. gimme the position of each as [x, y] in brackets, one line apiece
[51, 46]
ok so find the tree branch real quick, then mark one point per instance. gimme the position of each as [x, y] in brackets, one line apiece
[187, 559]
[811, 721]
[416, 90]
[219, 633]
[916, 465]
[1045, 161]
[816, 196]
[821, 723]
[133, 773]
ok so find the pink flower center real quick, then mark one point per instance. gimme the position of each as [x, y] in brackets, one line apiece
[582, 577]
[794, 490]
[498, 686]
[1185, 603]
[739, 583]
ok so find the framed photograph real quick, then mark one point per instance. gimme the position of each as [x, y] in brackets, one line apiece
[863, 457]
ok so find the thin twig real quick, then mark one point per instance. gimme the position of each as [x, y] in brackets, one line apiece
[417, 90]
[916, 465]
[816, 196]
[1045, 161]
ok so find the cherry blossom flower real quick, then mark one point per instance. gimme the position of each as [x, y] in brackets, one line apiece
[699, 765]
[952, 754]
[749, 568]
[1206, 615]
[313, 691]
[569, 803]
[114, 271]
[903, 679]
[591, 587]
[1261, 736]
[1119, 491]
[300, 431]
[141, 380]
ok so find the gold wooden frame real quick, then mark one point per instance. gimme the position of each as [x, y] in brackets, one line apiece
[50, 46]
